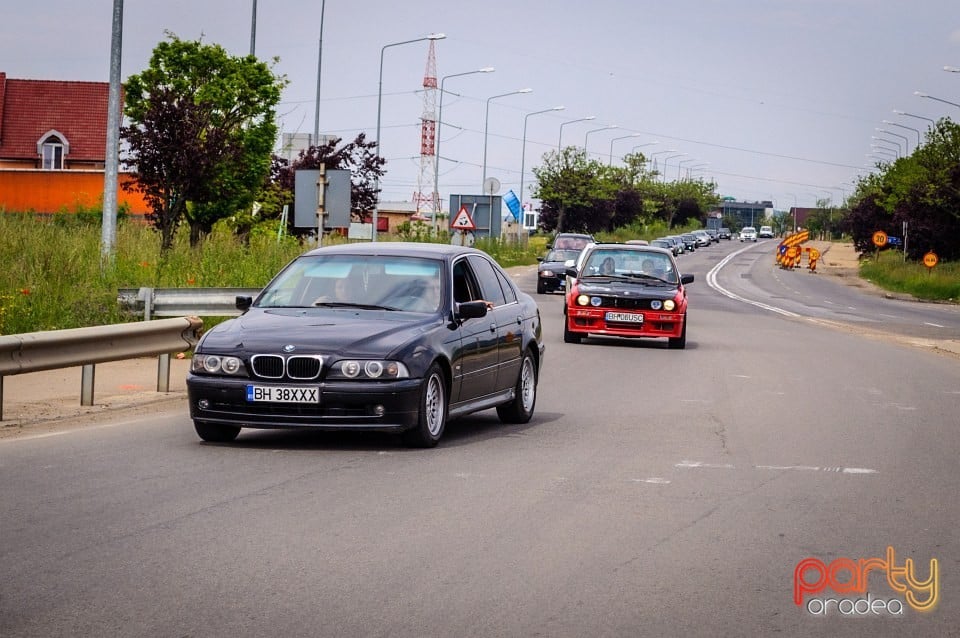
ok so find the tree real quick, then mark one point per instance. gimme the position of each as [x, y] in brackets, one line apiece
[568, 185]
[202, 125]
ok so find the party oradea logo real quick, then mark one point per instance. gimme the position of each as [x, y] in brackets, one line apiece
[840, 587]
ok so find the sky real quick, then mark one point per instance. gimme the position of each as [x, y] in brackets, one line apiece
[770, 99]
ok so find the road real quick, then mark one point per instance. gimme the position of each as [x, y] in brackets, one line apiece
[656, 492]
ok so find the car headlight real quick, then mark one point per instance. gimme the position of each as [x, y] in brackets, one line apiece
[546, 273]
[218, 364]
[669, 304]
[368, 369]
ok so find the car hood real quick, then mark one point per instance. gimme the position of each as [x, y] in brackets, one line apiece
[631, 290]
[552, 265]
[340, 332]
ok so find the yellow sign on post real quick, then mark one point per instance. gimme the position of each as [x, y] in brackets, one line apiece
[879, 239]
[930, 260]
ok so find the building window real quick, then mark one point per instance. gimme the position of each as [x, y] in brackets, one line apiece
[52, 147]
[52, 155]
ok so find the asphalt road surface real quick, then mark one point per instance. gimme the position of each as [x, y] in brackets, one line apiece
[655, 493]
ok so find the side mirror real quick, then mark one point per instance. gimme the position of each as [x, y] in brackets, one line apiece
[540, 259]
[570, 272]
[471, 310]
[243, 303]
[686, 279]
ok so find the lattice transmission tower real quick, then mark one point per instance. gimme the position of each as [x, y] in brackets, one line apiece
[425, 197]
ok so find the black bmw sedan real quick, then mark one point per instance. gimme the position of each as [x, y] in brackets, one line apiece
[383, 336]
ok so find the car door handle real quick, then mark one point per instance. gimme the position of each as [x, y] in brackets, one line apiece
[493, 327]
[519, 320]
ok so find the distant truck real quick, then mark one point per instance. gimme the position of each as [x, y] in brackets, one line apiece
[766, 232]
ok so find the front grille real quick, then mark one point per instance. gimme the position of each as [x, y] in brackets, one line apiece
[627, 304]
[267, 366]
[299, 367]
[304, 367]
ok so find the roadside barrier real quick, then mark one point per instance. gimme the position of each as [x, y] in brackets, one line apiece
[53, 349]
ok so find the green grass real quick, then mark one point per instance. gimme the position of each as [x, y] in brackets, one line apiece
[54, 277]
[890, 272]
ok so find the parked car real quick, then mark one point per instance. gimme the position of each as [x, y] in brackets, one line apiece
[725, 233]
[387, 336]
[666, 245]
[551, 273]
[703, 239]
[766, 232]
[714, 234]
[626, 291]
[748, 233]
[676, 241]
[690, 242]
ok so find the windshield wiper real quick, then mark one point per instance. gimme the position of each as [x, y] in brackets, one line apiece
[642, 275]
[347, 304]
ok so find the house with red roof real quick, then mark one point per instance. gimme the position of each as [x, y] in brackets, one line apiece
[53, 139]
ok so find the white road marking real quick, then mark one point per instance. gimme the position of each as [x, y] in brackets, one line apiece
[656, 480]
[888, 316]
[713, 283]
[780, 468]
[935, 325]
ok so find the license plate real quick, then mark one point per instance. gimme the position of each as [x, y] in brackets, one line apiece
[283, 394]
[624, 317]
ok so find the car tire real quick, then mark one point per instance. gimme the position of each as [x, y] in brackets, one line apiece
[541, 289]
[679, 343]
[215, 432]
[568, 335]
[432, 418]
[520, 410]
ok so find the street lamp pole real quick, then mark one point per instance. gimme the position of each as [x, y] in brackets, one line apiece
[622, 137]
[523, 152]
[665, 160]
[909, 128]
[587, 136]
[562, 124]
[316, 110]
[669, 150]
[436, 172]
[486, 128]
[889, 149]
[906, 140]
[376, 182]
[919, 117]
[680, 167]
[922, 94]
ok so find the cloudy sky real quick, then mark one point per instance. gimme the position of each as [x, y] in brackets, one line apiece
[772, 99]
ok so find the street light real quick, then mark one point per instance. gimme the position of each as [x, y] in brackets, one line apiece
[665, 160]
[906, 140]
[952, 69]
[523, 152]
[376, 182]
[642, 145]
[889, 149]
[909, 128]
[585, 137]
[680, 166]
[436, 152]
[622, 137]
[890, 142]
[486, 123]
[921, 94]
[919, 117]
[562, 124]
[669, 150]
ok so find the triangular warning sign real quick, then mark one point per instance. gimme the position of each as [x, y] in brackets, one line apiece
[463, 221]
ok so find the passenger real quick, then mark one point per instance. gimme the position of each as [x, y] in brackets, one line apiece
[608, 266]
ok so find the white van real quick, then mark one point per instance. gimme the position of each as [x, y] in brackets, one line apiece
[766, 232]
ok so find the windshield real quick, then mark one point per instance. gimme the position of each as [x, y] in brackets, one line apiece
[561, 255]
[633, 264]
[352, 281]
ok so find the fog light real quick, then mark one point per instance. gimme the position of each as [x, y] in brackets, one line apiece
[379, 410]
[203, 404]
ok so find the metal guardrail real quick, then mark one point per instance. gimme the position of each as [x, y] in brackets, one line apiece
[182, 302]
[52, 349]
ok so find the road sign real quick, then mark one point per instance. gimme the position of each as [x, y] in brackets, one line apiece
[930, 260]
[463, 221]
[893, 241]
[879, 239]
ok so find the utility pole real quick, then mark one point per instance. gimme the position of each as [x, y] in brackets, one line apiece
[111, 169]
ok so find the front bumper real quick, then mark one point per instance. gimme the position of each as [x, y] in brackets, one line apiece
[656, 323]
[342, 405]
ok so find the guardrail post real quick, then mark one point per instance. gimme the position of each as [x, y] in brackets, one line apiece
[86, 384]
[147, 294]
[163, 373]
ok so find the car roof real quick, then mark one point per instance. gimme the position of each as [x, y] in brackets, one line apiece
[640, 248]
[397, 248]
